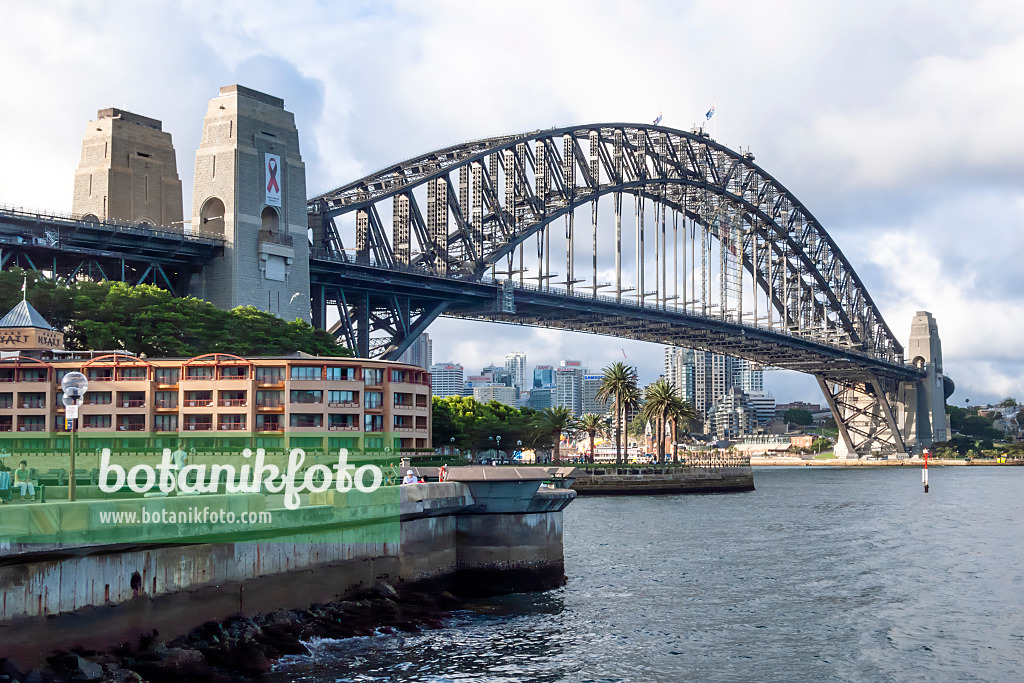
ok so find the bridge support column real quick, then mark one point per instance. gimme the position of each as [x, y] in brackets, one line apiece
[922, 405]
[863, 413]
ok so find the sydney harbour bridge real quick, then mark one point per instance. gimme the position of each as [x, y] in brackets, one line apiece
[635, 231]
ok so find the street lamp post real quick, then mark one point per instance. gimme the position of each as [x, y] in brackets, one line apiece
[74, 384]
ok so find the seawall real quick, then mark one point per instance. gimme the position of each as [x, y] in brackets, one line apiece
[622, 480]
[466, 536]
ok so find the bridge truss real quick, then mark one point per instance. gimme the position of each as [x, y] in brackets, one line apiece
[718, 255]
[70, 247]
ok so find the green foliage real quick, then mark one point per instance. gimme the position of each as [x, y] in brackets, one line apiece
[555, 422]
[473, 425]
[592, 425]
[1009, 402]
[981, 427]
[956, 417]
[619, 385]
[145, 319]
[661, 404]
[821, 444]
[798, 416]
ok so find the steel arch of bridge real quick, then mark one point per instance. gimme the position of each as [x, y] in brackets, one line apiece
[484, 199]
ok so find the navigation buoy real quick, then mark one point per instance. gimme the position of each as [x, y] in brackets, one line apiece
[924, 472]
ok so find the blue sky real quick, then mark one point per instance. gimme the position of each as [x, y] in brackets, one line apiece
[897, 124]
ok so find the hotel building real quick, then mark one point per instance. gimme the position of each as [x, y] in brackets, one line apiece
[218, 401]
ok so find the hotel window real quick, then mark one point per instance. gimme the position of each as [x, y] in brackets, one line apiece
[336, 443]
[398, 376]
[33, 375]
[167, 375]
[165, 423]
[307, 396]
[198, 372]
[338, 396]
[272, 375]
[373, 423]
[268, 423]
[232, 422]
[268, 399]
[62, 373]
[234, 372]
[373, 377]
[306, 420]
[97, 398]
[31, 423]
[373, 443]
[100, 374]
[336, 374]
[131, 374]
[96, 421]
[7, 399]
[306, 372]
[373, 399]
[35, 399]
[165, 399]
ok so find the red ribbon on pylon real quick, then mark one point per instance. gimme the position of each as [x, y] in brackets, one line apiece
[272, 186]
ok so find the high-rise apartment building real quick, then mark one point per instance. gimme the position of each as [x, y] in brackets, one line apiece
[569, 386]
[763, 404]
[702, 378]
[495, 392]
[591, 404]
[447, 379]
[515, 365]
[420, 352]
[544, 377]
[731, 415]
[569, 390]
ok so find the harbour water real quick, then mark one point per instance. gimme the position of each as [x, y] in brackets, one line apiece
[819, 574]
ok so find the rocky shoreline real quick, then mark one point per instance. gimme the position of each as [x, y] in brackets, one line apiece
[244, 649]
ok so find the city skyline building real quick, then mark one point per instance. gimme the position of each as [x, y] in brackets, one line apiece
[591, 384]
[702, 378]
[515, 365]
[544, 376]
[495, 392]
[447, 379]
[569, 386]
[420, 352]
[731, 415]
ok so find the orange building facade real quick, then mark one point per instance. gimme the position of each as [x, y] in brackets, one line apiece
[218, 402]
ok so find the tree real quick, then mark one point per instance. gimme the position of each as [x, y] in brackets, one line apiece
[145, 319]
[662, 402]
[976, 426]
[593, 425]
[619, 384]
[798, 416]
[555, 422]
[956, 417]
[1008, 402]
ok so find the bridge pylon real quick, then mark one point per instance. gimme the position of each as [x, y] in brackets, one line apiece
[250, 187]
[923, 402]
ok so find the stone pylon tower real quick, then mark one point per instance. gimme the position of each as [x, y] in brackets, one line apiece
[128, 171]
[250, 187]
[923, 404]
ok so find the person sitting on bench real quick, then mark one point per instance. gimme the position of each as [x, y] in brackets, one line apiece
[22, 481]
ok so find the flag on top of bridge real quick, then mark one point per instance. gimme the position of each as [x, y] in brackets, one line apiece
[711, 112]
[658, 120]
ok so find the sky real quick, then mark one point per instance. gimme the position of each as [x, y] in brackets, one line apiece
[896, 124]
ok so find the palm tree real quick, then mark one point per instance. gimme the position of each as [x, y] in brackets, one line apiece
[593, 425]
[619, 384]
[556, 421]
[662, 402]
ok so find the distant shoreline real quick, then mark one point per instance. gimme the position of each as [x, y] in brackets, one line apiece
[912, 462]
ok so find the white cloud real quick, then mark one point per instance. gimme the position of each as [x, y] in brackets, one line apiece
[895, 123]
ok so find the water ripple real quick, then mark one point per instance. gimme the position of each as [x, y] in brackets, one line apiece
[821, 574]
